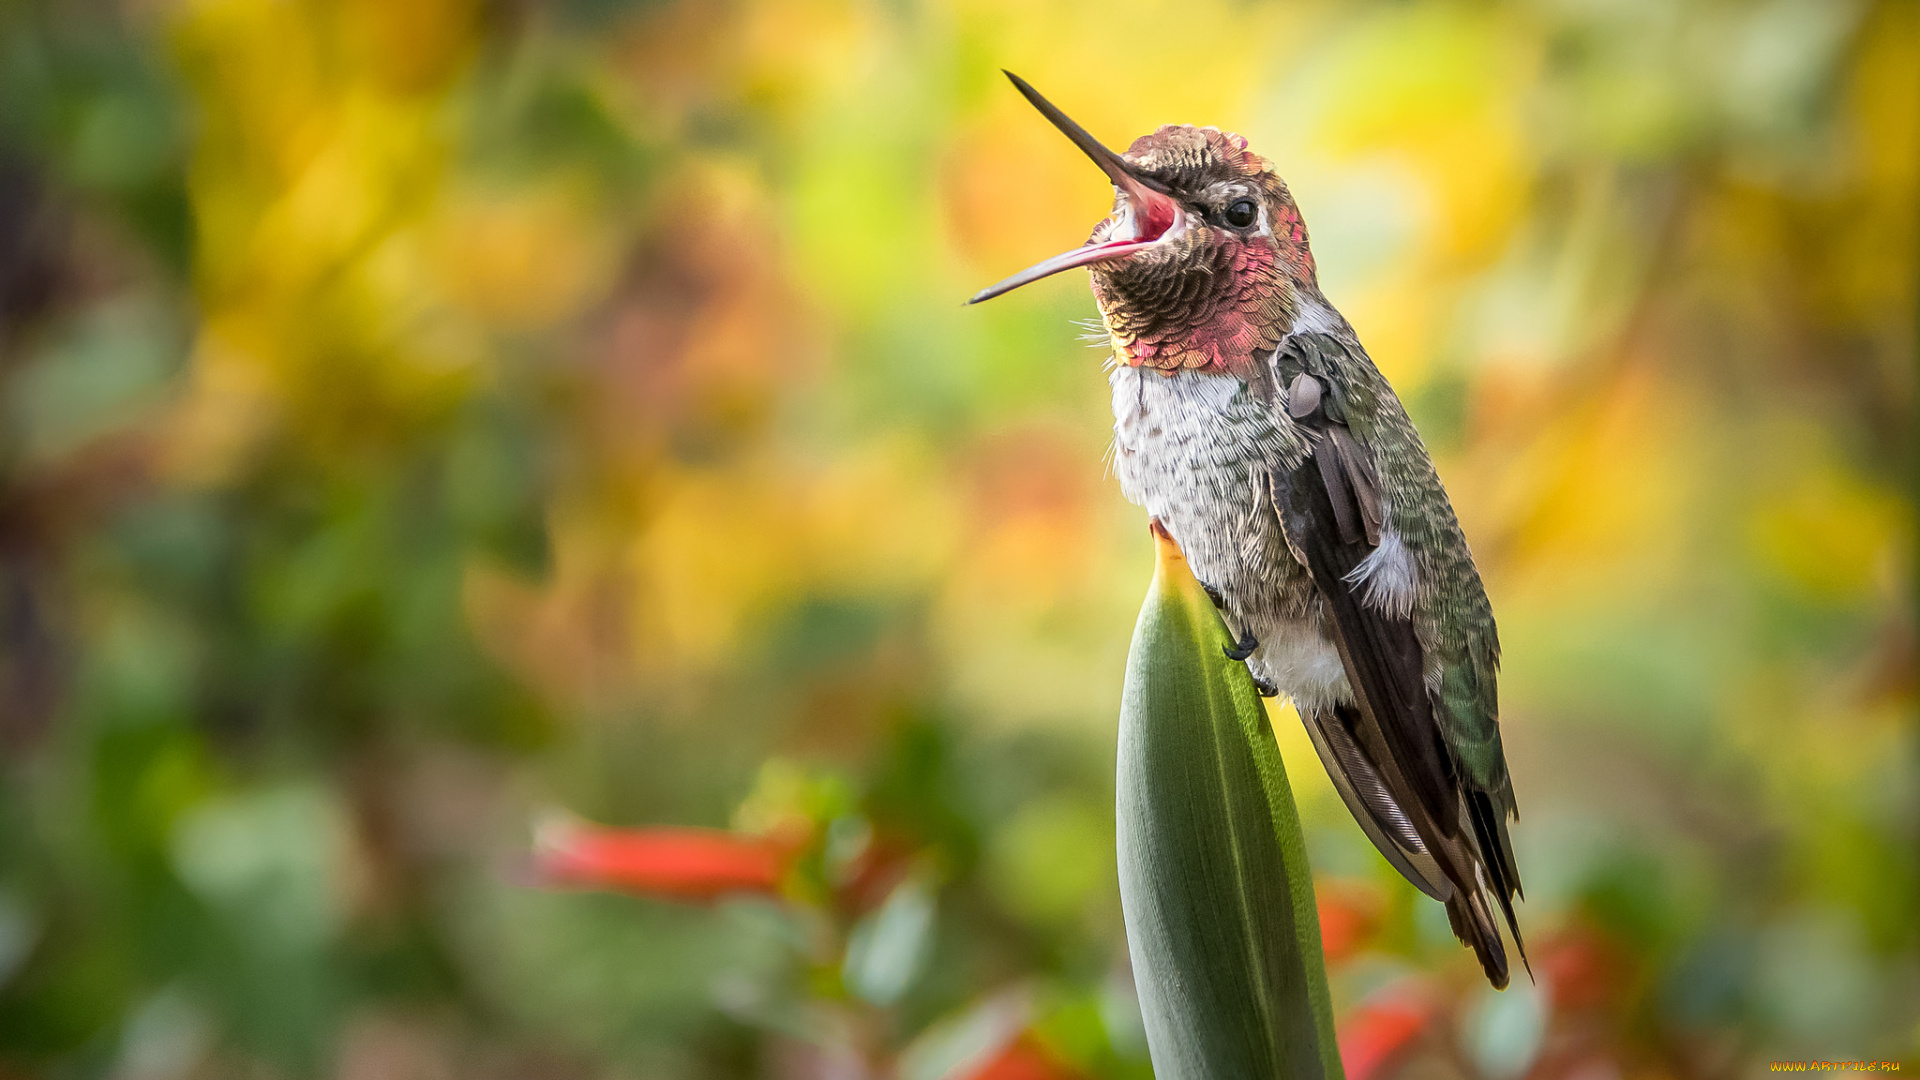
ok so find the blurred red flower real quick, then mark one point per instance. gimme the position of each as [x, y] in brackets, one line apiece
[675, 863]
[1383, 1026]
[1024, 1059]
[1348, 914]
[1582, 969]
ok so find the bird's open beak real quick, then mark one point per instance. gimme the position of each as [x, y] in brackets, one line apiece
[1152, 210]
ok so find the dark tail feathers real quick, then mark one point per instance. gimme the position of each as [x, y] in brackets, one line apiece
[1473, 924]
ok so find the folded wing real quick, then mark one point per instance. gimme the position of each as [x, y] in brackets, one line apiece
[1385, 751]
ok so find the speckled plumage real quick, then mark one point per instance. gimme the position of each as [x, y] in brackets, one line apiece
[1251, 424]
[1194, 448]
[1197, 443]
[1197, 304]
[1197, 449]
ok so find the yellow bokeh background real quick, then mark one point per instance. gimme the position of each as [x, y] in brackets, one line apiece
[420, 416]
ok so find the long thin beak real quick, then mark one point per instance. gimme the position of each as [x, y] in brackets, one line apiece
[1154, 210]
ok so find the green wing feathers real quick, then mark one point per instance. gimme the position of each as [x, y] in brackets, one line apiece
[1426, 727]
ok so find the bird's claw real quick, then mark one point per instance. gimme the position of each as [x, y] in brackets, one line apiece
[1241, 649]
[1264, 688]
[1213, 594]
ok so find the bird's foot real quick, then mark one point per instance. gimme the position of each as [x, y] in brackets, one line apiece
[1263, 687]
[1213, 594]
[1243, 648]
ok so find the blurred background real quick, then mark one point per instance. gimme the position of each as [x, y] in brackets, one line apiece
[431, 432]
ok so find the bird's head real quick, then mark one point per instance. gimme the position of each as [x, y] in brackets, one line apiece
[1202, 262]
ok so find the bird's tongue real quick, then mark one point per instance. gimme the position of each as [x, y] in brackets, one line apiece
[1153, 214]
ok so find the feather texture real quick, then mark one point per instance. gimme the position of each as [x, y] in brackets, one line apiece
[1315, 515]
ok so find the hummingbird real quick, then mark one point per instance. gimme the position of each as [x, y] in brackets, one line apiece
[1253, 427]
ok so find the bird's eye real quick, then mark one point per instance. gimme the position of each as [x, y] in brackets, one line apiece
[1242, 214]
